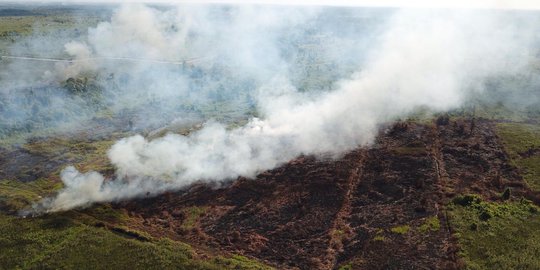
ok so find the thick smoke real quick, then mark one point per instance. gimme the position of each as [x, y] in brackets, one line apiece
[147, 66]
[420, 58]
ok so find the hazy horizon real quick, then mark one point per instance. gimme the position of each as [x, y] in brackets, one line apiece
[461, 4]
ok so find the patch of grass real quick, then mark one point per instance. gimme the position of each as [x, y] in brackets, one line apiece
[192, 216]
[104, 212]
[517, 139]
[431, 224]
[94, 156]
[499, 111]
[131, 233]
[497, 235]
[379, 238]
[86, 156]
[16, 195]
[402, 229]
[240, 262]
[12, 26]
[347, 266]
[530, 170]
[56, 242]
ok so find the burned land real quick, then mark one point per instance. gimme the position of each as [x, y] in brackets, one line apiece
[395, 205]
[400, 183]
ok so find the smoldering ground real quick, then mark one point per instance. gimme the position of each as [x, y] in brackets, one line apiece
[386, 66]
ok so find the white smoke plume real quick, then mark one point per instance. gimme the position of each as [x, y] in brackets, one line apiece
[423, 58]
[148, 65]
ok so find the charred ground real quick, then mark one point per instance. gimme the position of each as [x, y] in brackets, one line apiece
[454, 192]
[379, 208]
[406, 202]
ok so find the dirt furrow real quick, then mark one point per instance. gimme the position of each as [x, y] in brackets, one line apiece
[341, 229]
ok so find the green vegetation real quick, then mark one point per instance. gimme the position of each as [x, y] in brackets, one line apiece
[431, 224]
[496, 235]
[499, 111]
[42, 21]
[23, 25]
[519, 137]
[57, 242]
[62, 242]
[522, 142]
[531, 171]
[379, 238]
[347, 266]
[239, 262]
[104, 212]
[192, 215]
[86, 156]
[402, 229]
[16, 195]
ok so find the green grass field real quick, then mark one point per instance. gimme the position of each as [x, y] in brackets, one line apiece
[518, 139]
[496, 235]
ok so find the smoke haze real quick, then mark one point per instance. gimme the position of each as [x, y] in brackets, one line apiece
[390, 64]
